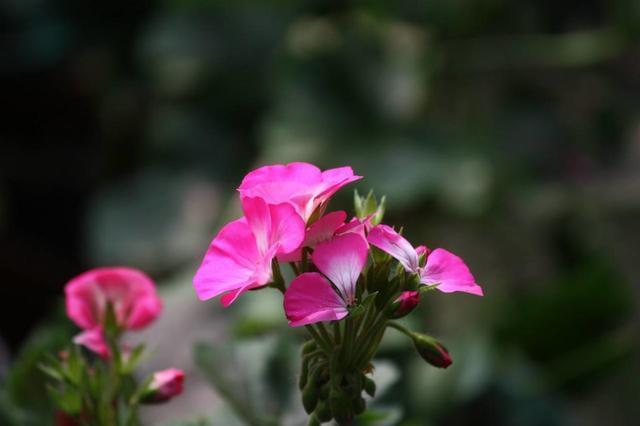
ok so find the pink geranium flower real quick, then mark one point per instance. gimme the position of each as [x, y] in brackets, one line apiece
[239, 257]
[164, 385]
[443, 269]
[131, 293]
[302, 185]
[312, 297]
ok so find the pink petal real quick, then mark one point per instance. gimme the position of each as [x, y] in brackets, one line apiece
[310, 298]
[287, 228]
[355, 226]
[93, 340]
[449, 272]
[342, 259]
[277, 226]
[293, 183]
[324, 228]
[388, 240]
[333, 180]
[232, 262]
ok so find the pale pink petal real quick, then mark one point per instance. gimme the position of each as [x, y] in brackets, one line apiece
[324, 228]
[258, 216]
[310, 298]
[231, 262]
[449, 272]
[93, 340]
[342, 259]
[388, 240]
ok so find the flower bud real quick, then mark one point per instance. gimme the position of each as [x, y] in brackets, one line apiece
[370, 386]
[369, 208]
[340, 406]
[404, 304]
[310, 397]
[164, 385]
[431, 350]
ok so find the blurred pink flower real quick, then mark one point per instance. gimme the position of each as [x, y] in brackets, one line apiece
[444, 269]
[311, 297]
[164, 385]
[131, 293]
[239, 257]
[302, 185]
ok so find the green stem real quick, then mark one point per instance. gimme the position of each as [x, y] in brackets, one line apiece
[325, 333]
[336, 332]
[325, 346]
[401, 328]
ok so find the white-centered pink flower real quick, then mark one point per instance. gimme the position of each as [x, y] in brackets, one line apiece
[443, 269]
[302, 185]
[130, 292]
[239, 257]
[313, 297]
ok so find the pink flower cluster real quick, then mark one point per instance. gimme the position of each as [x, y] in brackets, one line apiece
[284, 221]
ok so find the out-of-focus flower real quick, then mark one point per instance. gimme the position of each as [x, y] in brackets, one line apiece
[130, 293]
[311, 297]
[240, 256]
[302, 185]
[164, 385]
[443, 269]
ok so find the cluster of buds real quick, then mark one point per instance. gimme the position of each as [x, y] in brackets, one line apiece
[97, 384]
[352, 278]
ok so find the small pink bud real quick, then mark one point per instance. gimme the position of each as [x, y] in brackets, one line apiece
[432, 351]
[404, 304]
[164, 385]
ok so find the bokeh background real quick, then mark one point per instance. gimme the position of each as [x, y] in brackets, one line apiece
[507, 132]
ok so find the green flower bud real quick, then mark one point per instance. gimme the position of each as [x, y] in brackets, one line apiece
[340, 406]
[313, 421]
[370, 386]
[431, 350]
[359, 405]
[310, 397]
[323, 411]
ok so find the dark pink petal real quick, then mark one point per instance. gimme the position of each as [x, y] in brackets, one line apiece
[342, 259]
[232, 262]
[310, 298]
[164, 385]
[355, 226]
[388, 240]
[324, 228]
[449, 272]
